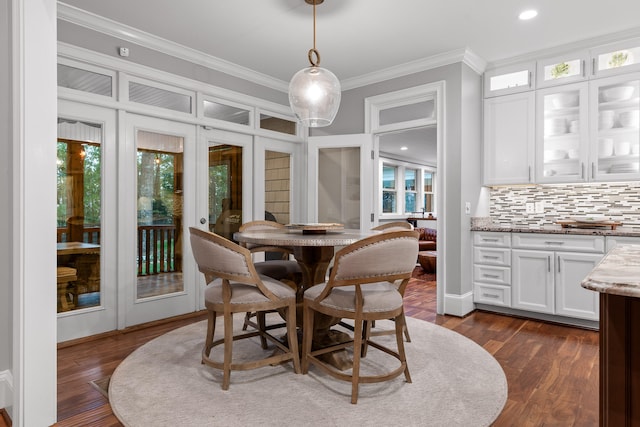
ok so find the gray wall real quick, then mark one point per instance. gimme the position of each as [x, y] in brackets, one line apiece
[463, 150]
[6, 312]
[107, 45]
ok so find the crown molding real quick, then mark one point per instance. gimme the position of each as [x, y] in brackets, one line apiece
[589, 43]
[112, 28]
[460, 55]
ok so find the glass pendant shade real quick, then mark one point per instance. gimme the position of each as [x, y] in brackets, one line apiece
[314, 96]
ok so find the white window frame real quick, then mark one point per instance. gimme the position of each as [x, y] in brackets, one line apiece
[401, 168]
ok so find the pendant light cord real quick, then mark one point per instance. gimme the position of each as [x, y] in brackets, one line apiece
[314, 55]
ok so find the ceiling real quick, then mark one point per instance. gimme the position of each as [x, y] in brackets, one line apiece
[362, 38]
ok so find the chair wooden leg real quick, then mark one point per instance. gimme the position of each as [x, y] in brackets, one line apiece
[292, 335]
[406, 329]
[262, 327]
[400, 327]
[307, 336]
[211, 328]
[368, 324]
[228, 347]
[247, 318]
[357, 348]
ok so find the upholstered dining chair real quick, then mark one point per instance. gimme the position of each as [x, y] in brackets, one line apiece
[385, 228]
[283, 269]
[362, 287]
[233, 286]
[394, 226]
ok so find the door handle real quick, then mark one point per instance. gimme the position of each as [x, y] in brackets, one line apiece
[203, 221]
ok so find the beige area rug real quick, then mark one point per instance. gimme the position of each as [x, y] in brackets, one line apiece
[163, 383]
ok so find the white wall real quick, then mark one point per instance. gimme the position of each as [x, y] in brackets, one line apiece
[6, 311]
[33, 208]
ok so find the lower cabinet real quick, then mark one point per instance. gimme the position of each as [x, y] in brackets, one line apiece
[546, 273]
[549, 282]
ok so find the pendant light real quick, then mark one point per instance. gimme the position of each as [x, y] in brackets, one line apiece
[314, 92]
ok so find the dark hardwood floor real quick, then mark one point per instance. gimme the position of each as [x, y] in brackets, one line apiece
[552, 370]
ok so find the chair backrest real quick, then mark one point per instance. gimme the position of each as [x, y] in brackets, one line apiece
[219, 257]
[389, 256]
[394, 226]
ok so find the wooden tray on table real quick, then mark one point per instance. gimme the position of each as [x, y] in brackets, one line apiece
[316, 228]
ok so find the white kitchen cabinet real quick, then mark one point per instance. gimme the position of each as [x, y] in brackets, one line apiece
[616, 58]
[562, 133]
[615, 133]
[548, 270]
[492, 268]
[558, 70]
[509, 138]
[571, 298]
[510, 79]
[532, 280]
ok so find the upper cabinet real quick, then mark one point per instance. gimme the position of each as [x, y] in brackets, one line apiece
[511, 79]
[509, 139]
[562, 149]
[577, 121]
[563, 69]
[615, 135]
[617, 58]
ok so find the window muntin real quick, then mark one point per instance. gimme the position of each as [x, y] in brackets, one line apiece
[409, 196]
[389, 192]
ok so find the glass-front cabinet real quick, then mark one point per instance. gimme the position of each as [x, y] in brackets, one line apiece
[616, 58]
[562, 134]
[569, 68]
[615, 116]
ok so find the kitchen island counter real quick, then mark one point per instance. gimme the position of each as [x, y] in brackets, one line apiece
[617, 279]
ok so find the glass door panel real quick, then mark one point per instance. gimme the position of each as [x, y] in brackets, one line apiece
[277, 191]
[562, 147]
[337, 166]
[160, 201]
[617, 154]
[225, 189]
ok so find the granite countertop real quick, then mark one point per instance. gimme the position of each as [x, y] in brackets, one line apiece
[557, 229]
[618, 273]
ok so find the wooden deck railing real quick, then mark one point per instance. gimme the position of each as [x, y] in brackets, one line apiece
[156, 247]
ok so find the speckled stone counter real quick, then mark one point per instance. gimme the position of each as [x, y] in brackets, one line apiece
[617, 278]
[556, 229]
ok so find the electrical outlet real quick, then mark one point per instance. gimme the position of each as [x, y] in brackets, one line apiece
[530, 207]
[467, 208]
[539, 207]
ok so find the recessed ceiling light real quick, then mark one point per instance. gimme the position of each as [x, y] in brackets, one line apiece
[404, 148]
[528, 14]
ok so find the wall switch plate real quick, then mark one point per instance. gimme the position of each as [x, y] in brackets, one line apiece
[467, 208]
[539, 207]
[530, 207]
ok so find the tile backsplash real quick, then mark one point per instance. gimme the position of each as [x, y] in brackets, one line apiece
[619, 201]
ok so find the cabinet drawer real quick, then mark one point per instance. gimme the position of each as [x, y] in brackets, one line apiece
[558, 242]
[498, 239]
[491, 274]
[492, 294]
[492, 256]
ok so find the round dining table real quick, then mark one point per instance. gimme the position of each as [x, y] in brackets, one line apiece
[313, 251]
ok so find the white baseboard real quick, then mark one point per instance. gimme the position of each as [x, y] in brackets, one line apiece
[6, 389]
[458, 305]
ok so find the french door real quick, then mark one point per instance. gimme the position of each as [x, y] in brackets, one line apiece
[157, 188]
[86, 220]
[340, 180]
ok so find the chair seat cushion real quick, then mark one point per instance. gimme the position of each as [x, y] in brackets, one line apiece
[247, 294]
[278, 269]
[382, 296]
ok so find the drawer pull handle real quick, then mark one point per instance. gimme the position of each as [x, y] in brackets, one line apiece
[484, 239]
[490, 256]
[548, 242]
[490, 296]
[492, 276]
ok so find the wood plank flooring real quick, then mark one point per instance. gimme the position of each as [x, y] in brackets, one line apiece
[552, 370]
